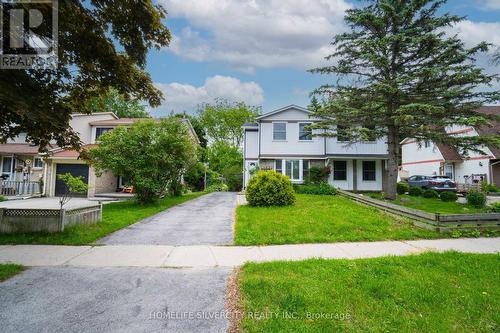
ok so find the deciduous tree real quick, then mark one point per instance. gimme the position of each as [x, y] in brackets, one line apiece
[102, 44]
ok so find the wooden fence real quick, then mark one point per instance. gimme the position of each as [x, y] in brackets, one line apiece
[439, 222]
[20, 220]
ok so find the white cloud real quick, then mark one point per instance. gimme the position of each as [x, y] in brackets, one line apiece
[473, 33]
[493, 4]
[185, 97]
[251, 34]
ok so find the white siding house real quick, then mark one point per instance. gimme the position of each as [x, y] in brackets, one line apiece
[280, 140]
[429, 158]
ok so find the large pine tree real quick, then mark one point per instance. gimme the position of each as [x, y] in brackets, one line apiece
[399, 74]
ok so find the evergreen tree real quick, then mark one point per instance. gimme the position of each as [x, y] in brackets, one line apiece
[400, 75]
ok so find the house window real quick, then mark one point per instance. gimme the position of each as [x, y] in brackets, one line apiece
[292, 169]
[278, 166]
[305, 133]
[101, 130]
[339, 170]
[279, 131]
[427, 143]
[369, 171]
[37, 162]
[342, 135]
[305, 170]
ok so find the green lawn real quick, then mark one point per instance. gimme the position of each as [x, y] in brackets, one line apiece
[9, 270]
[115, 216]
[432, 205]
[320, 218]
[447, 292]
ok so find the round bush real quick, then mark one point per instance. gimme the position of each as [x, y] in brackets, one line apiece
[448, 196]
[415, 191]
[402, 188]
[270, 188]
[430, 194]
[476, 199]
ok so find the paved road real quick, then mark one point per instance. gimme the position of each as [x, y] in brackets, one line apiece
[205, 220]
[75, 299]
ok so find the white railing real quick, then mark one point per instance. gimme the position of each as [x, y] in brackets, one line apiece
[14, 187]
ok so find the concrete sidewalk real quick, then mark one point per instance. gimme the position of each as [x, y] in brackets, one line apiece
[201, 256]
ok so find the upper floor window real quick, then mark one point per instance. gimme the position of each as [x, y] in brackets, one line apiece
[279, 131]
[305, 133]
[37, 162]
[101, 130]
[369, 170]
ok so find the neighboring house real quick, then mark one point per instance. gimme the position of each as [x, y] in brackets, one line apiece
[280, 140]
[21, 167]
[429, 158]
[57, 160]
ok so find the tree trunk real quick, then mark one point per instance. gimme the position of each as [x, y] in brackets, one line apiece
[392, 163]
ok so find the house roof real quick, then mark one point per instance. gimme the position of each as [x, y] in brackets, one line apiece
[292, 106]
[95, 113]
[117, 122]
[491, 130]
[61, 152]
[18, 149]
[449, 153]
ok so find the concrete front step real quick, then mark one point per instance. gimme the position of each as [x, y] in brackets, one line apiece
[201, 256]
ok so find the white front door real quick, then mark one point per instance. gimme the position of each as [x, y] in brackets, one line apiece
[449, 170]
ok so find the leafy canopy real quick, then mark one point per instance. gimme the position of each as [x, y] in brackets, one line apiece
[153, 155]
[113, 101]
[223, 120]
[102, 44]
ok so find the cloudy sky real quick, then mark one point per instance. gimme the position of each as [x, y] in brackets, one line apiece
[258, 51]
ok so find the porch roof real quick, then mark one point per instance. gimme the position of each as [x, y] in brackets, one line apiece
[18, 149]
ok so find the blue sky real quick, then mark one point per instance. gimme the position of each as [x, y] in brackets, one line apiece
[258, 51]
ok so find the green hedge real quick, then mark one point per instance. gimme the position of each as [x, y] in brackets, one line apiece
[448, 196]
[476, 199]
[430, 194]
[322, 189]
[415, 191]
[402, 187]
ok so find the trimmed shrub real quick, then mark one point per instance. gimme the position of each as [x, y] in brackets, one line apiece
[491, 188]
[217, 187]
[2, 198]
[448, 196]
[476, 199]
[270, 188]
[495, 207]
[318, 175]
[321, 188]
[415, 191]
[402, 188]
[430, 194]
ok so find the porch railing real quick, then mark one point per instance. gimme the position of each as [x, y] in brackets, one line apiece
[15, 187]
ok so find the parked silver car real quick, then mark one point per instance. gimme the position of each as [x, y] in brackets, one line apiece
[438, 183]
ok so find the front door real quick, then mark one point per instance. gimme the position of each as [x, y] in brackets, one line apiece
[449, 170]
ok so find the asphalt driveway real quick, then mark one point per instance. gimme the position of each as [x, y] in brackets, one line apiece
[74, 299]
[201, 221]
